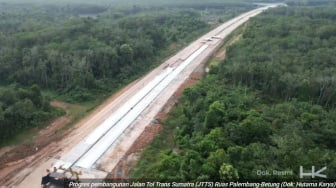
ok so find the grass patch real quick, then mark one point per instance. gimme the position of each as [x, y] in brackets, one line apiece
[213, 63]
[25, 136]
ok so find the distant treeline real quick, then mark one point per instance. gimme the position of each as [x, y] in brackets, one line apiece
[310, 2]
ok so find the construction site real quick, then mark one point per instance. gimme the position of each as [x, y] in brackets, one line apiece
[104, 143]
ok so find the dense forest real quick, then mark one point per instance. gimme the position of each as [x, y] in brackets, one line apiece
[270, 105]
[310, 2]
[77, 52]
[84, 54]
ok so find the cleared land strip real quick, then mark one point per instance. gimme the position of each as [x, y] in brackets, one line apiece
[105, 140]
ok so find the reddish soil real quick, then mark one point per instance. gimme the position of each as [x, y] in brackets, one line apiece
[44, 144]
[17, 162]
[221, 56]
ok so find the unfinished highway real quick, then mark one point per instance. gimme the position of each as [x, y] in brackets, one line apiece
[96, 146]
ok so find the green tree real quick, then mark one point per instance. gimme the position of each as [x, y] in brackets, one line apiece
[211, 166]
[228, 172]
[36, 95]
[126, 53]
[214, 116]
